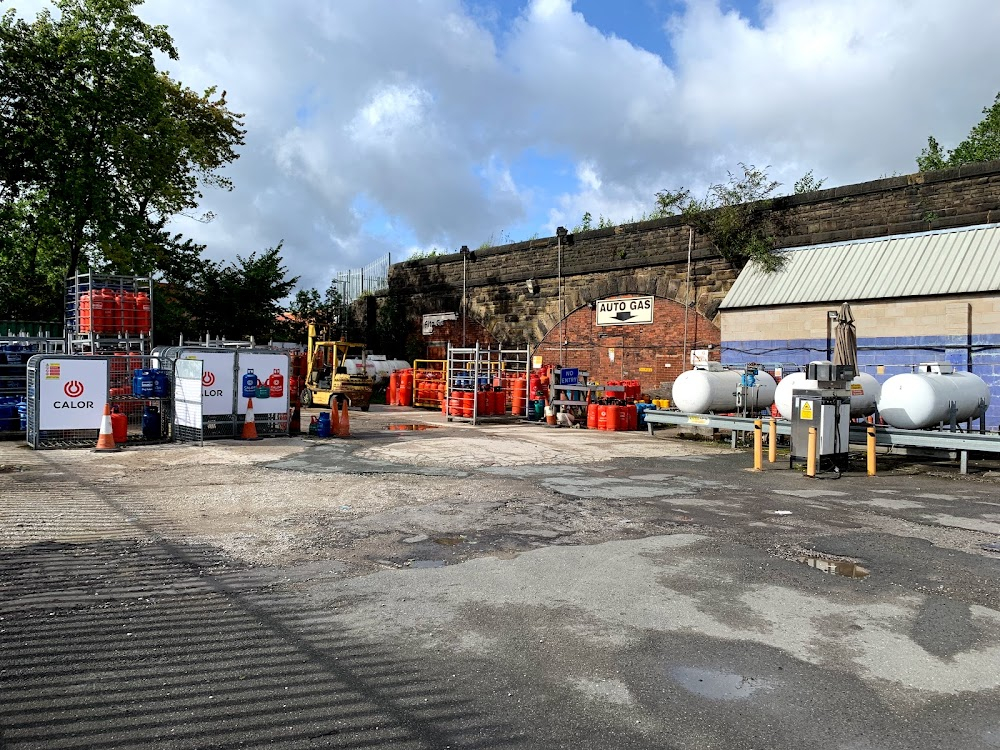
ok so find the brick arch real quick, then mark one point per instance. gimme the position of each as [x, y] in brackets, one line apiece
[652, 354]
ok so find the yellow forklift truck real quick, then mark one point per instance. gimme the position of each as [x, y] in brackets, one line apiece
[328, 374]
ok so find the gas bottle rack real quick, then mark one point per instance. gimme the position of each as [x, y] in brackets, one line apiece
[470, 368]
[15, 351]
[105, 313]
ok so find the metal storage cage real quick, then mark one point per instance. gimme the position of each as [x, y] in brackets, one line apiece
[472, 371]
[15, 351]
[105, 312]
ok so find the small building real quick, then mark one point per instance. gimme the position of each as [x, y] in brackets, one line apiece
[930, 296]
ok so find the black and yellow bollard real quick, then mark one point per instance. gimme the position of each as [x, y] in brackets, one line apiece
[811, 453]
[772, 444]
[758, 445]
[871, 450]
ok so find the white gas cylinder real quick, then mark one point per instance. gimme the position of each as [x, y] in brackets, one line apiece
[917, 400]
[705, 391]
[864, 394]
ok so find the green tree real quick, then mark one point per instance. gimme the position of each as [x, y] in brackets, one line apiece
[98, 148]
[325, 311]
[982, 144]
[735, 215]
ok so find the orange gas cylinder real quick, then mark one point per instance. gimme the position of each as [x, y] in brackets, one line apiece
[119, 426]
[484, 404]
[404, 396]
[632, 414]
[615, 420]
[456, 406]
[593, 411]
[623, 418]
[602, 416]
[390, 391]
[109, 304]
[84, 313]
[125, 304]
[468, 403]
[499, 402]
[144, 315]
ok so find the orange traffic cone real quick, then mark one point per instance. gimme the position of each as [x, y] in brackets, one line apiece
[249, 426]
[106, 439]
[334, 416]
[344, 429]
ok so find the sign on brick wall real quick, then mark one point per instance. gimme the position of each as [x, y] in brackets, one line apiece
[627, 311]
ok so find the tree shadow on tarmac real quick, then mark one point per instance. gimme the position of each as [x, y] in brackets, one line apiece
[129, 643]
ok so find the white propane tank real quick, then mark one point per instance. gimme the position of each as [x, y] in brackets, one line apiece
[917, 400]
[385, 367]
[355, 367]
[701, 391]
[864, 394]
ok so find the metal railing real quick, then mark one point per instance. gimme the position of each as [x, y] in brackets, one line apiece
[357, 282]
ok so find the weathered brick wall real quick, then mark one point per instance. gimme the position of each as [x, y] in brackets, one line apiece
[650, 257]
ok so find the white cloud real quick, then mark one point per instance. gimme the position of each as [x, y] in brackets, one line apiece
[425, 109]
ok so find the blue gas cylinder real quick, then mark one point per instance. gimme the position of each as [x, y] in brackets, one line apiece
[151, 422]
[161, 384]
[323, 425]
[8, 415]
[143, 383]
[249, 385]
[22, 411]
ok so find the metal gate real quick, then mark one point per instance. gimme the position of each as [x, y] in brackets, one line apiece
[187, 390]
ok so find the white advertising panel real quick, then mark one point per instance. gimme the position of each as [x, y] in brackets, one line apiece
[271, 371]
[72, 393]
[218, 384]
[624, 311]
[188, 392]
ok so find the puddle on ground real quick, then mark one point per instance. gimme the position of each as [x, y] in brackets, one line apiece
[427, 564]
[411, 427]
[449, 541]
[835, 567]
[718, 686]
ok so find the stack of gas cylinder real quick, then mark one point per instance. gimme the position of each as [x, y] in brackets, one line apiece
[117, 311]
[399, 392]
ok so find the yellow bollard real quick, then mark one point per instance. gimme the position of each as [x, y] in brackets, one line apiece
[811, 453]
[871, 450]
[772, 446]
[758, 446]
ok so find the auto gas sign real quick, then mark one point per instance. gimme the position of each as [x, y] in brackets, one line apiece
[72, 393]
[624, 311]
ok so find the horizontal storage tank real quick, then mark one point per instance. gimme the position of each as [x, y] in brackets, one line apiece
[377, 369]
[704, 391]
[918, 400]
[864, 394]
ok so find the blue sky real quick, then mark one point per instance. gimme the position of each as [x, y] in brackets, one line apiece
[398, 126]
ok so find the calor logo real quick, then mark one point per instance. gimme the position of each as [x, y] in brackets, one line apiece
[208, 379]
[73, 389]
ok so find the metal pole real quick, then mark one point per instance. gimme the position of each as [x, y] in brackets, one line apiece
[758, 445]
[465, 267]
[687, 300]
[560, 233]
[772, 445]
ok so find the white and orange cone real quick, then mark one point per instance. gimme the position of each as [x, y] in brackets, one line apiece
[106, 439]
[249, 426]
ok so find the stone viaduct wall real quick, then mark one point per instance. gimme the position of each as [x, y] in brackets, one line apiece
[651, 257]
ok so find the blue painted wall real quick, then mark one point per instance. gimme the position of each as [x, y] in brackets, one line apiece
[885, 352]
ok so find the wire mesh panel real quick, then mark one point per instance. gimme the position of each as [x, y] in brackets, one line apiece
[187, 392]
[15, 351]
[483, 383]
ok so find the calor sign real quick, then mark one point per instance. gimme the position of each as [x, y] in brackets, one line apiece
[72, 393]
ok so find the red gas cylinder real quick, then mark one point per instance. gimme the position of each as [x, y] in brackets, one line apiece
[84, 313]
[602, 416]
[456, 405]
[632, 417]
[499, 402]
[119, 426]
[468, 403]
[109, 319]
[276, 384]
[616, 418]
[593, 411]
[144, 314]
[125, 302]
[390, 392]
[97, 319]
[535, 387]
[484, 404]
[405, 395]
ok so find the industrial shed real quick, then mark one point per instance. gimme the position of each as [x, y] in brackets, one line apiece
[931, 296]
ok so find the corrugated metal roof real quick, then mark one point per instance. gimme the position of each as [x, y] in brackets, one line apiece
[951, 261]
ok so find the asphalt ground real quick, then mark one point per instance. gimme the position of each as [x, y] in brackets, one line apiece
[498, 586]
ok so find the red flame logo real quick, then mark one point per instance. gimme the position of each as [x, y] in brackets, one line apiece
[73, 389]
[208, 379]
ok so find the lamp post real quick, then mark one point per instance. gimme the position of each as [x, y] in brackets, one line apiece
[561, 233]
[465, 270]
[687, 298]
